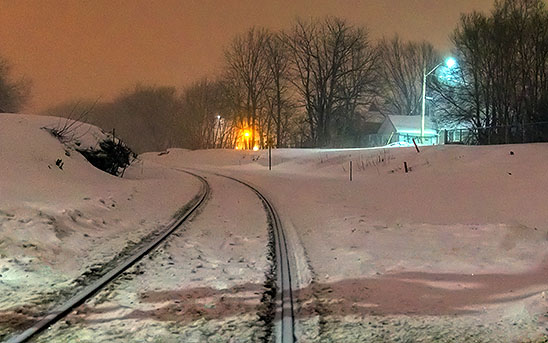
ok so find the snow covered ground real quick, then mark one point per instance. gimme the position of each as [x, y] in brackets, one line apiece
[57, 223]
[453, 251]
[204, 285]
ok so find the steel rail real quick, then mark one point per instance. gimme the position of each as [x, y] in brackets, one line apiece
[63, 310]
[284, 317]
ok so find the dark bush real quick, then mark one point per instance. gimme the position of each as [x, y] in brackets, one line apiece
[113, 156]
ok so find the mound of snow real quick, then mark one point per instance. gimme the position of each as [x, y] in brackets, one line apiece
[36, 167]
[59, 215]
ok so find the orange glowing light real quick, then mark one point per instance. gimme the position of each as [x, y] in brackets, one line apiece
[247, 134]
[255, 148]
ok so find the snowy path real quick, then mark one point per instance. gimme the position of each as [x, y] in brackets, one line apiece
[204, 285]
[284, 318]
[120, 264]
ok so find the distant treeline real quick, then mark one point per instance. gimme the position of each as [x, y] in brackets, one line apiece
[313, 84]
[13, 93]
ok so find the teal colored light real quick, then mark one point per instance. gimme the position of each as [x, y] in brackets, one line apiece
[450, 62]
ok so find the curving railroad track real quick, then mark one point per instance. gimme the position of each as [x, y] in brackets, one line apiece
[64, 309]
[283, 317]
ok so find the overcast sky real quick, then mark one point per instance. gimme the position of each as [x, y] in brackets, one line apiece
[96, 48]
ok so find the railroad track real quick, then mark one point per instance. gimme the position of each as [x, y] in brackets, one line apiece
[284, 321]
[283, 301]
[63, 310]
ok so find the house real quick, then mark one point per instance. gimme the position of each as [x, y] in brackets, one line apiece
[398, 128]
[406, 128]
[364, 128]
[372, 119]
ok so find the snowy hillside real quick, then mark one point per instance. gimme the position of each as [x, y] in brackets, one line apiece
[58, 220]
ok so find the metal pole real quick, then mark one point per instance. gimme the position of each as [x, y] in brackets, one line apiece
[269, 156]
[350, 170]
[416, 146]
[217, 142]
[423, 101]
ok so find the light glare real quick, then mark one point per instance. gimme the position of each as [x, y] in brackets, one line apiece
[451, 62]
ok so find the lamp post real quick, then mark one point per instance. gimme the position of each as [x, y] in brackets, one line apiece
[218, 133]
[450, 63]
[246, 138]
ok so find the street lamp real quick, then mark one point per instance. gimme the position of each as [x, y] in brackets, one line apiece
[450, 63]
[218, 133]
[247, 134]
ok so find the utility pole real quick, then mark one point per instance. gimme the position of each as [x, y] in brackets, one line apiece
[450, 63]
[424, 100]
[269, 154]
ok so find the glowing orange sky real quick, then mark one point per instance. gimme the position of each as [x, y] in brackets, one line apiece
[95, 48]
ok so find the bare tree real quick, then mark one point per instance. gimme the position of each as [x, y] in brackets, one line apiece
[401, 68]
[145, 117]
[247, 72]
[357, 91]
[13, 93]
[203, 120]
[280, 105]
[323, 59]
[502, 79]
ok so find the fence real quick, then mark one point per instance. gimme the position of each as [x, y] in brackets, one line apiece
[377, 140]
[506, 134]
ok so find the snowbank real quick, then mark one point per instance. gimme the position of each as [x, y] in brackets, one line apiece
[60, 216]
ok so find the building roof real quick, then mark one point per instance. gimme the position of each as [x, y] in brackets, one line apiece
[373, 115]
[373, 107]
[412, 125]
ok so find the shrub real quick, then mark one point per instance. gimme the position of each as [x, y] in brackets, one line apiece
[113, 156]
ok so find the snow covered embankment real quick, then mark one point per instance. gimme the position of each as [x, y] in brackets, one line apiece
[60, 216]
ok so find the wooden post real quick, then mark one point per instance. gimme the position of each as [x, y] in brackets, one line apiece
[416, 146]
[350, 170]
[269, 156]
[405, 166]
